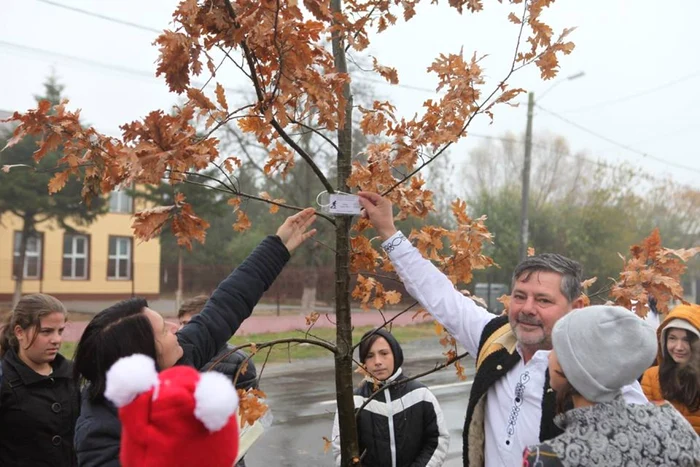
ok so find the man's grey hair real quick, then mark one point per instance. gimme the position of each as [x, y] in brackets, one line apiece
[571, 272]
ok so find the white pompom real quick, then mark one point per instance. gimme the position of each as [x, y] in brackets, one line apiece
[129, 377]
[216, 400]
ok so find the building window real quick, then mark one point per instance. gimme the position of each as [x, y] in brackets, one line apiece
[75, 257]
[32, 257]
[121, 201]
[119, 259]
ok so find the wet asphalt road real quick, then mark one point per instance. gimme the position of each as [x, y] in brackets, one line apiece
[303, 408]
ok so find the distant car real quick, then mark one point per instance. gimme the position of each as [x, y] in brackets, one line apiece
[491, 295]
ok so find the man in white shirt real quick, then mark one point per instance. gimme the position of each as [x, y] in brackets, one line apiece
[511, 404]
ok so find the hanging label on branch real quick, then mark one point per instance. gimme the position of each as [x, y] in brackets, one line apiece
[344, 204]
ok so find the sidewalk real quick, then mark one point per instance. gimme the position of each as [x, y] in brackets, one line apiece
[257, 324]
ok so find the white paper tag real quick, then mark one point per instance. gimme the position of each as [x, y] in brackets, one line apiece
[344, 204]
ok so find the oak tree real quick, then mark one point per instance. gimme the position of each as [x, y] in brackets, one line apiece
[294, 57]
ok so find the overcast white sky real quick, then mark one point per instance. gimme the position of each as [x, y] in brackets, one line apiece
[640, 58]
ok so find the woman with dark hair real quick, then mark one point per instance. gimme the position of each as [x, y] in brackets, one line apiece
[596, 351]
[131, 327]
[677, 376]
[402, 425]
[39, 401]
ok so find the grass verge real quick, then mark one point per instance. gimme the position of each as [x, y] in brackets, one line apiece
[290, 352]
[296, 351]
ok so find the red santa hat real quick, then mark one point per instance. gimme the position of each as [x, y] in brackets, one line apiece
[178, 417]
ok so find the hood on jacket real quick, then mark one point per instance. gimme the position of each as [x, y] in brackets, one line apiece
[689, 314]
[393, 343]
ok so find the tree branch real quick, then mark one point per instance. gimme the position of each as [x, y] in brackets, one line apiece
[386, 322]
[299, 150]
[403, 381]
[288, 340]
[239, 66]
[233, 191]
[252, 161]
[476, 112]
[520, 35]
[373, 274]
[314, 130]
[446, 146]
[250, 59]
[269, 345]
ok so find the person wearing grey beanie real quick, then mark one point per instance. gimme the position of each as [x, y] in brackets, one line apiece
[598, 350]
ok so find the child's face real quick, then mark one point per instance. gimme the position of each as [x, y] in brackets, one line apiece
[678, 345]
[380, 359]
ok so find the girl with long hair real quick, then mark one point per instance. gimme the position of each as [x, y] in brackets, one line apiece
[676, 378]
[39, 401]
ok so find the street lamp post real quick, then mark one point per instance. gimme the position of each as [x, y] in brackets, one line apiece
[525, 197]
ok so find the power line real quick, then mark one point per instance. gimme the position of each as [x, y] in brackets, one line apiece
[635, 95]
[405, 86]
[84, 61]
[620, 145]
[149, 29]
[104, 17]
[96, 64]
[603, 165]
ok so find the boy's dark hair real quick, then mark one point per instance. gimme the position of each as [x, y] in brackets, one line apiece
[371, 336]
[193, 306]
[119, 331]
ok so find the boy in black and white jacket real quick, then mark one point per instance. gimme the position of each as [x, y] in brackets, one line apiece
[403, 424]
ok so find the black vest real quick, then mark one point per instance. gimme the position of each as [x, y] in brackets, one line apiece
[37, 414]
[494, 367]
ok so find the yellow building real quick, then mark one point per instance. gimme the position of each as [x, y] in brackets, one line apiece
[102, 261]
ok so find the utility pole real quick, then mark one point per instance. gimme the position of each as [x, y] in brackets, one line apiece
[524, 221]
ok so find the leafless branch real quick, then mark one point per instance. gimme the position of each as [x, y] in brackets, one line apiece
[520, 34]
[403, 381]
[288, 340]
[251, 160]
[233, 191]
[233, 60]
[215, 70]
[386, 322]
[314, 130]
[250, 59]
[478, 109]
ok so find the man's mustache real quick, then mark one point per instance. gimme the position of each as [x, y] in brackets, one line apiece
[524, 319]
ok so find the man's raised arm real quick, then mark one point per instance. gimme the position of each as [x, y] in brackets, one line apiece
[426, 283]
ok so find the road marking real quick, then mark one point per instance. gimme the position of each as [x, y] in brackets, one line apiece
[432, 388]
[451, 385]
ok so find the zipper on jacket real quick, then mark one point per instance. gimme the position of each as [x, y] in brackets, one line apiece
[392, 437]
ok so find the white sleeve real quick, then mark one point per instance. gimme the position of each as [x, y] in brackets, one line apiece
[633, 394]
[443, 447]
[462, 318]
[335, 440]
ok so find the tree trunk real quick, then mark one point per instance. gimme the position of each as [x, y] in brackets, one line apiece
[178, 292]
[308, 296]
[343, 358]
[27, 229]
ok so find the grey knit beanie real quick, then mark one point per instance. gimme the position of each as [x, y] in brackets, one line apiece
[603, 348]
